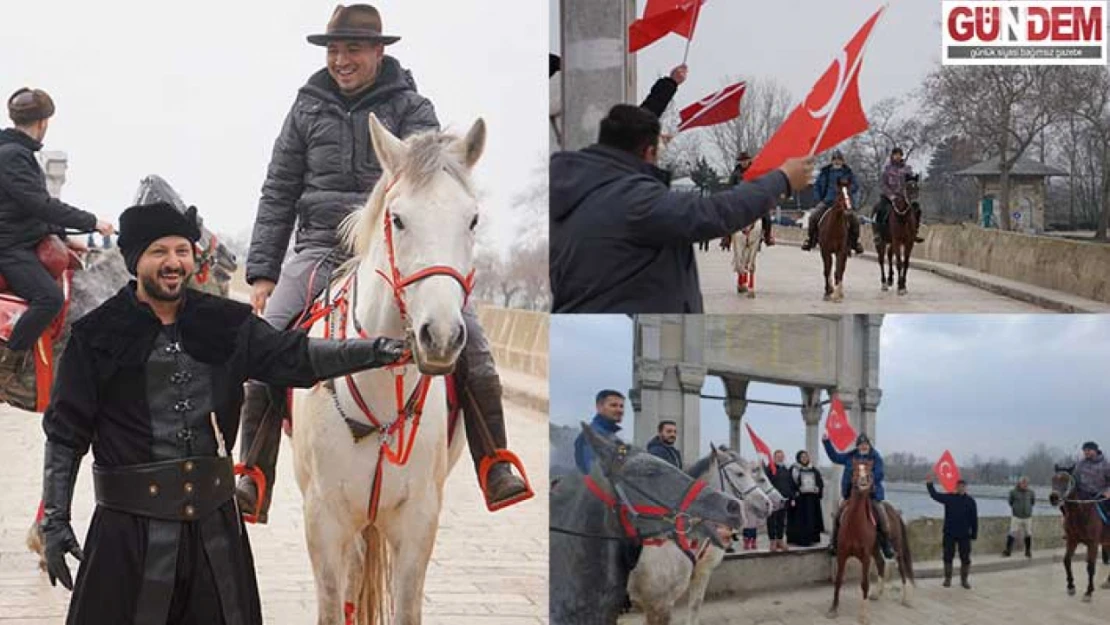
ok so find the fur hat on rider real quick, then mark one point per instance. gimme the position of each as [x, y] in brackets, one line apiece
[1090, 446]
[861, 439]
[28, 106]
[141, 225]
[836, 155]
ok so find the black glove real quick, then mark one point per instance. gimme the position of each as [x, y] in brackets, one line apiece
[332, 358]
[59, 474]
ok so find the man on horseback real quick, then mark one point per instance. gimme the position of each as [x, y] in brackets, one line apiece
[28, 215]
[322, 166]
[893, 184]
[863, 451]
[152, 381]
[825, 192]
[1092, 476]
[743, 163]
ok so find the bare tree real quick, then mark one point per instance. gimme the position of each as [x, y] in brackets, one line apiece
[764, 107]
[1002, 108]
[1088, 89]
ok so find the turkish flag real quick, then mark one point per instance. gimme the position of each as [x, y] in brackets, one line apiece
[840, 431]
[831, 113]
[947, 471]
[761, 449]
[662, 17]
[716, 108]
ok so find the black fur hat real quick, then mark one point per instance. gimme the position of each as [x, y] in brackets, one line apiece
[141, 225]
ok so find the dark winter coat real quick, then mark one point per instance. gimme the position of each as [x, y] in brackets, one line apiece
[103, 398]
[961, 516]
[27, 212]
[782, 480]
[824, 190]
[1093, 476]
[1022, 501]
[323, 165]
[622, 241]
[669, 453]
[846, 459]
[583, 453]
[662, 92]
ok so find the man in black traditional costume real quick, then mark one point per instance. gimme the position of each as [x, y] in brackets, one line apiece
[153, 381]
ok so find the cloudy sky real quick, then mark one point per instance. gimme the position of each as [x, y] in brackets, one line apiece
[793, 42]
[987, 384]
[196, 91]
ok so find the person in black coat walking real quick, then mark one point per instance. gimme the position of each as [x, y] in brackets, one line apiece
[961, 526]
[28, 215]
[783, 482]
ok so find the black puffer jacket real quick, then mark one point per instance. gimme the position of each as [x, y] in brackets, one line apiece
[27, 212]
[323, 165]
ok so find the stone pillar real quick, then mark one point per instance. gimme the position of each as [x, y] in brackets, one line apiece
[54, 165]
[870, 394]
[691, 378]
[648, 374]
[811, 415]
[736, 404]
[597, 70]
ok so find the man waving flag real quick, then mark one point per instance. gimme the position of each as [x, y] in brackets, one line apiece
[662, 17]
[947, 471]
[831, 113]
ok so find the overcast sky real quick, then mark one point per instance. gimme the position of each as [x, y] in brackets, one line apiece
[197, 91]
[987, 384]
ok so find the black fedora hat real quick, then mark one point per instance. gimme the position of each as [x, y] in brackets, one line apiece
[358, 22]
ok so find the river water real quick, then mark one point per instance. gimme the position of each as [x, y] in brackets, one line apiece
[992, 501]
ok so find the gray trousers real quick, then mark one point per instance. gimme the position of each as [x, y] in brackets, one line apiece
[291, 295]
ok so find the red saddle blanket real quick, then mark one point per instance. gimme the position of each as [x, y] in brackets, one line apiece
[54, 255]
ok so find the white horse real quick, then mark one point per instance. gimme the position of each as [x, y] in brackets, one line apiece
[745, 247]
[665, 572]
[411, 273]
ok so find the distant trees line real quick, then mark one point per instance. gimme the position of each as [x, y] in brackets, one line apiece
[1038, 465]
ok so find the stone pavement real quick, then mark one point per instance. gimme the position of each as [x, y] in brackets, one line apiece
[487, 569]
[789, 280]
[1029, 596]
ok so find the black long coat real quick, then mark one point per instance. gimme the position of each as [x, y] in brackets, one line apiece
[101, 399]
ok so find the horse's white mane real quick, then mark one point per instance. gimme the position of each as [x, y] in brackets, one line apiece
[427, 154]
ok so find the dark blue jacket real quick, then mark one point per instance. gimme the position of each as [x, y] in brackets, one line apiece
[961, 516]
[583, 453]
[669, 453]
[623, 242]
[846, 460]
[824, 190]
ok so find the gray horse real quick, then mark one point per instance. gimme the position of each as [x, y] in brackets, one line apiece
[590, 523]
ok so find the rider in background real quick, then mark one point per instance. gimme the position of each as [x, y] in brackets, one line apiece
[824, 192]
[863, 451]
[28, 215]
[743, 163]
[323, 165]
[893, 184]
[1092, 474]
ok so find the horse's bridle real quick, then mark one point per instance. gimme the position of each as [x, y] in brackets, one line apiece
[727, 479]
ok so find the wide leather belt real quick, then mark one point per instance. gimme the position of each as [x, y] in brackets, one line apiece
[188, 489]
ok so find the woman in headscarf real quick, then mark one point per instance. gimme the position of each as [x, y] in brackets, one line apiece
[806, 523]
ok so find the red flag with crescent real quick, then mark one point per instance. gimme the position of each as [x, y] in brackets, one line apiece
[831, 113]
[662, 17]
[715, 108]
[761, 449]
[947, 472]
[840, 431]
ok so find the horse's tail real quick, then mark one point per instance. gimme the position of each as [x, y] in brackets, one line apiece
[374, 606]
[907, 555]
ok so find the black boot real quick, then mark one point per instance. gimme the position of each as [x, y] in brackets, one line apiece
[485, 434]
[263, 410]
[947, 575]
[964, 570]
[1105, 555]
[916, 232]
[853, 235]
[768, 235]
[1029, 550]
[811, 235]
[1009, 546]
[835, 532]
[880, 530]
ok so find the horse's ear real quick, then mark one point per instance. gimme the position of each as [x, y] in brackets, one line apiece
[473, 144]
[389, 149]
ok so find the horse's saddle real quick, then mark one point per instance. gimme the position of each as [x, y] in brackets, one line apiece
[54, 255]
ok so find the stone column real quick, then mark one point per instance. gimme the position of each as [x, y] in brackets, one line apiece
[597, 70]
[811, 415]
[54, 165]
[691, 378]
[870, 394]
[736, 404]
[648, 374]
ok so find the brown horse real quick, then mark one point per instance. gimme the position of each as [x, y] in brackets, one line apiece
[858, 539]
[897, 238]
[1082, 524]
[832, 236]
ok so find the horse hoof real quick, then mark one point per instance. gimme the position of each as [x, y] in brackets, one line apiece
[751, 294]
[827, 297]
[885, 288]
[1071, 592]
[831, 614]
[901, 291]
[1086, 598]
[1106, 586]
